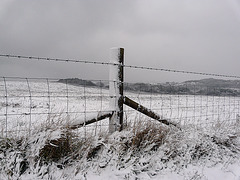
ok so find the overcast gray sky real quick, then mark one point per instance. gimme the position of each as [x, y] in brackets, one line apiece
[188, 35]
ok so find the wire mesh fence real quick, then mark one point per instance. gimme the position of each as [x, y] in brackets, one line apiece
[188, 104]
[28, 103]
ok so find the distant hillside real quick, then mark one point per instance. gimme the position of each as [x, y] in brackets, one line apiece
[217, 87]
[210, 82]
[76, 81]
[210, 86]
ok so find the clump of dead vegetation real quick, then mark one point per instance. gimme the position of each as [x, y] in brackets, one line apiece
[148, 135]
[141, 146]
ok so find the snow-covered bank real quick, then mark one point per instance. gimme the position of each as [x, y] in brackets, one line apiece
[141, 151]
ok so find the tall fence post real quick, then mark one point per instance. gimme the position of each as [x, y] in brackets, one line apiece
[116, 89]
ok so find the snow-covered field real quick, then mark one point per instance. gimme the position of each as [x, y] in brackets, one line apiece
[25, 104]
[28, 105]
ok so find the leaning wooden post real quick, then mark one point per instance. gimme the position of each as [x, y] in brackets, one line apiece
[116, 89]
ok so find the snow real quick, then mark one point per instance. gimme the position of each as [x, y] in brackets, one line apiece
[84, 103]
[114, 79]
[201, 115]
[191, 173]
[115, 84]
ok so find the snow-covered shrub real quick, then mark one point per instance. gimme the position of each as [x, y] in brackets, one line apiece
[150, 148]
[148, 135]
[13, 157]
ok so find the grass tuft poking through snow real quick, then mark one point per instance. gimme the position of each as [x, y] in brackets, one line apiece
[140, 151]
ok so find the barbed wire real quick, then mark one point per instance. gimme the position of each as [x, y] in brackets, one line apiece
[182, 71]
[108, 63]
[54, 59]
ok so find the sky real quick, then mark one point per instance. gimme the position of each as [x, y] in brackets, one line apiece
[189, 35]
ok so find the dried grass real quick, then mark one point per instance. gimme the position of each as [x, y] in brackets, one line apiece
[148, 134]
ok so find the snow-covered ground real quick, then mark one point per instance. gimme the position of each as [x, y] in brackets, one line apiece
[26, 106]
[32, 103]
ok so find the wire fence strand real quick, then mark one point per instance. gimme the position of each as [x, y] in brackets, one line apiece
[108, 63]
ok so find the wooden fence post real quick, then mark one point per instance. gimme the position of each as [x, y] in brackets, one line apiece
[116, 89]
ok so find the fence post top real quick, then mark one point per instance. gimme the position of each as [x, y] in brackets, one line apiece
[115, 48]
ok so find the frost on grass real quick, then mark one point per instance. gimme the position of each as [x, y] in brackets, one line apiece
[142, 150]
